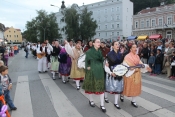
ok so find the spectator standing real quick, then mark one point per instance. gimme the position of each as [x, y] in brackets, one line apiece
[169, 56]
[145, 53]
[27, 49]
[151, 62]
[165, 58]
[7, 85]
[6, 57]
[173, 66]
[158, 62]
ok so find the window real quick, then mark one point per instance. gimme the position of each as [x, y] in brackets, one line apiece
[99, 34]
[112, 9]
[147, 23]
[136, 24]
[118, 26]
[118, 33]
[14, 31]
[112, 18]
[17, 40]
[160, 22]
[10, 35]
[105, 10]
[7, 35]
[117, 9]
[10, 40]
[106, 34]
[142, 24]
[112, 33]
[106, 26]
[169, 22]
[99, 27]
[9, 31]
[153, 23]
[118, 17]
[99, 20]
[16, 35]
[112, 26]
[106, 19]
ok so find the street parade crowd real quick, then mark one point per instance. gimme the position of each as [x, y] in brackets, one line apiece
[105, 68]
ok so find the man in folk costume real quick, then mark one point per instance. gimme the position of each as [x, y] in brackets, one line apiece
[55, 51]
[42, 53]
[76, 73]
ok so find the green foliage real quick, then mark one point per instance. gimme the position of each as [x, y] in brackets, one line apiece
[87, 25]
[143, 4]
[44, 22]
[79, 25]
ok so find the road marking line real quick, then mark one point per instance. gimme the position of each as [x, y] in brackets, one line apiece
[159, 85]
[111, 110]
[155, 109]
[22, 98]
[158, 94]
[161, 79]
[62, 105]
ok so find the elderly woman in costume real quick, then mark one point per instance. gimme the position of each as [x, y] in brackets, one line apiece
[65, 65]
[94, 76]
[132, 79]
[76, 73]
[114, 84]
[55, 51]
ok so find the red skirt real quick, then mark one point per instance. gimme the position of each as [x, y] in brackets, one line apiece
[64, 74]
[96, 93]
[78, 78]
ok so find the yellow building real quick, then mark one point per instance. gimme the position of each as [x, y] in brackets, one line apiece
[12, 34]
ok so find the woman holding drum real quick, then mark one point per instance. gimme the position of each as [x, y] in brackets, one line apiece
[114, 83]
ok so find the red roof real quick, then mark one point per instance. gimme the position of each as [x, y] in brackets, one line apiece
[158, 36]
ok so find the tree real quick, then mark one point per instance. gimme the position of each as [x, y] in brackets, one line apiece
[143, 4]
[44, 26]
[79, 24]
[87, 25]
[71, 18]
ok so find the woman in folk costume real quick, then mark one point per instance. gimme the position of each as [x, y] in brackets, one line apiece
[55, 51]
[114, 84]
[65, 65]
[94, 76]
[76, 73]
[132, 79]
[42, 53]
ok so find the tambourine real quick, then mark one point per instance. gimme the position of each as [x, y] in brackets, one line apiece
[121, 70]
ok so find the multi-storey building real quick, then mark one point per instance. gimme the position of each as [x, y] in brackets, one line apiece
[157, 20]
[114, 18]
[12, 34]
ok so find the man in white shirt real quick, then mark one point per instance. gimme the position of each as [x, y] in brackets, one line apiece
[42, 53]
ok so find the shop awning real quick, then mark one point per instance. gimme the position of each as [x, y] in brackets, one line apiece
[158, 36]
[142, 37]
[132, 37]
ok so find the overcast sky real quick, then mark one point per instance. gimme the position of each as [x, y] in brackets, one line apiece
[17, 12]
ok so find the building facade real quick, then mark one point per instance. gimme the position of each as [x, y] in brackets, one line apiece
[114, 18]
[2, 29]
[157, 20]
[13, 35]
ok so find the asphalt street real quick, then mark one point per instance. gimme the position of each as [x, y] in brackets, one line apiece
[37, 95]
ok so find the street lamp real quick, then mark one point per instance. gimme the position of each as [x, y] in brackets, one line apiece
[44, 31]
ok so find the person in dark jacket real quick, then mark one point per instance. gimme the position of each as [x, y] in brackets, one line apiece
[158, 62]
[151, 62]
[145, 53]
